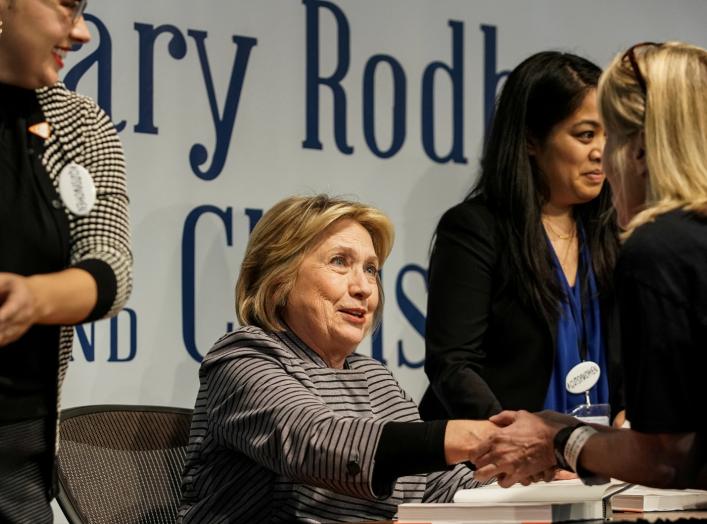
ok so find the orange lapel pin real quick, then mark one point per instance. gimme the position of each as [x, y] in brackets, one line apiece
[42, 130]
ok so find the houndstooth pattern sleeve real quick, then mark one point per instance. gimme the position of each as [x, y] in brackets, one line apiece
[82, 133]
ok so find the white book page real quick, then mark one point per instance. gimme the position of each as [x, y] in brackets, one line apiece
[562, 491]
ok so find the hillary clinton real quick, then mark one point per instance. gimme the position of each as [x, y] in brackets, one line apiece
[290, 424]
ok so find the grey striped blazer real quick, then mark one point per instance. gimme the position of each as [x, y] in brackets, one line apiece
[277, 436]
[84, 134]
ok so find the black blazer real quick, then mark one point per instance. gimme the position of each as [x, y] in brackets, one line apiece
[486, 350]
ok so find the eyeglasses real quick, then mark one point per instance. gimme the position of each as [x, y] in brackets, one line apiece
[76, 8]
[631, 55]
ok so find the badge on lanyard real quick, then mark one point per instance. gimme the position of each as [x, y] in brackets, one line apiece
[77, 190]
[580, 379]
[583, 377]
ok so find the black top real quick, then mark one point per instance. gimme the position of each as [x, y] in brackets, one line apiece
[486, 349]
[33, 239]
[661, 283]
[408, 448]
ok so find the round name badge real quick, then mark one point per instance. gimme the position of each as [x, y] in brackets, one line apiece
[582, 377]
[77, 189]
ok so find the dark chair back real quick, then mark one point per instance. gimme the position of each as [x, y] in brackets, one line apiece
[121, 464]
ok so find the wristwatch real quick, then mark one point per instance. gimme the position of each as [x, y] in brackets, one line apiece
[559, 443]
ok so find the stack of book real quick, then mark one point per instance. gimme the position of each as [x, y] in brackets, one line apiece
[643, 499]
[558, 501]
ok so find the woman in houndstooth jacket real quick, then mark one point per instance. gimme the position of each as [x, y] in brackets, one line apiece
[64, 241]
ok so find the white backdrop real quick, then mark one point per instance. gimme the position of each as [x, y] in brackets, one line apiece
[416, 76]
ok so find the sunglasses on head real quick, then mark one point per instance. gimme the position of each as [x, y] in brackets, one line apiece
[631, 55]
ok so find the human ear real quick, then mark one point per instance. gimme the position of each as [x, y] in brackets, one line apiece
[637, 152]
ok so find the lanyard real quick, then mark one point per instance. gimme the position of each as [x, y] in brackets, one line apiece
[578, 316]
[572, 297]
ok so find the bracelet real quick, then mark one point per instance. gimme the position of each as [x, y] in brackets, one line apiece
[559, 443]
[576, 441]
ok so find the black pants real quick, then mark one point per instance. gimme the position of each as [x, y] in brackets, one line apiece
[26, 471]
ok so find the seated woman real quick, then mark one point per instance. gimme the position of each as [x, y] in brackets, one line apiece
[290, 424]
[520, 273]
[653, 101]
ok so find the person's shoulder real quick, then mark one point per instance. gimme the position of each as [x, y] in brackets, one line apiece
[365, 363]
[677, 234]
[243, 342]
[471, 213]
[59, 96]
[667, 254]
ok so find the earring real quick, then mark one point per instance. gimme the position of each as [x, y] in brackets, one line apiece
[0, 27]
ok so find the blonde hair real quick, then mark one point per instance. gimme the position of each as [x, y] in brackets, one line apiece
[280, 241]
[672, 115]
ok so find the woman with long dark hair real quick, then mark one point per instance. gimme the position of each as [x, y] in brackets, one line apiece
[519, 289]
[654, 105]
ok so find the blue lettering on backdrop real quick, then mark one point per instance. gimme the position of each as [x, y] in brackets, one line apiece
[399, 105]
[491, 77]
[132, 319]
[333, 81]
[177, 49]
[223, 124]
[254, 216]
[224, 119]
[456, 75]
[377, 337]
[88, 343]
[410, 311]
[103, 58]
[189, 270]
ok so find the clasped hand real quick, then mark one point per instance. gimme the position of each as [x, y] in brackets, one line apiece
[513, 446]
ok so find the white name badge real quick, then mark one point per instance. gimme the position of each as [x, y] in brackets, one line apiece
[582, 377]
[77, 189]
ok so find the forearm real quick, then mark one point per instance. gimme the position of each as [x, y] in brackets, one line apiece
[408, 448]
[65, 297]
[660, 460]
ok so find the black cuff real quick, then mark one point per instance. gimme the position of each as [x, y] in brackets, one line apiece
[106, 284]
[408, 448]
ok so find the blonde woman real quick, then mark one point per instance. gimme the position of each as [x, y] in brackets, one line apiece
[653, 100]
[290, 423]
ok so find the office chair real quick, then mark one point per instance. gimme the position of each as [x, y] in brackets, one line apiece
[121, 464]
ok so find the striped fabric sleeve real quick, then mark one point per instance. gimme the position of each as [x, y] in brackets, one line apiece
[442, 485]
[258, 408]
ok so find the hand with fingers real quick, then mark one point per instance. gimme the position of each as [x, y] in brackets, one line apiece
[18, 309]
[520, 451]
[464, 440]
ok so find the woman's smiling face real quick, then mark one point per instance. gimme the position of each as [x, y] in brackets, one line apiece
[335, 296]
[37, 35]
[570, 158]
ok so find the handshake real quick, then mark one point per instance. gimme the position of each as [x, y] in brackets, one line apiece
[513, 446]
